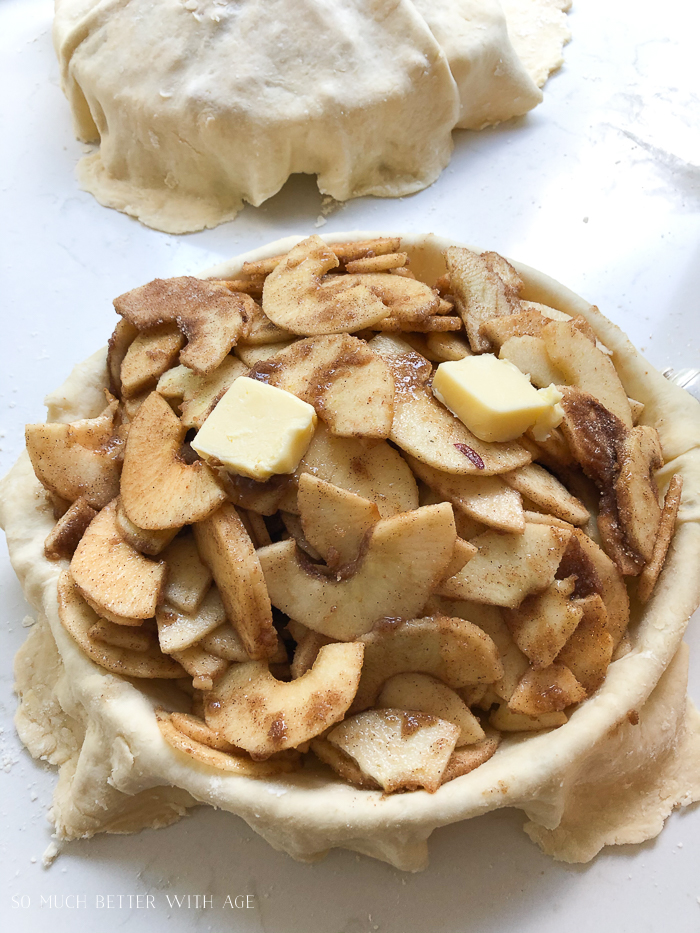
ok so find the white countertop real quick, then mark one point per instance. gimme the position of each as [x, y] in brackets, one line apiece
[596, 187]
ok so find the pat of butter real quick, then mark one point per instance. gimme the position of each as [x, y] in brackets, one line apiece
[494, 399]
[257, 430]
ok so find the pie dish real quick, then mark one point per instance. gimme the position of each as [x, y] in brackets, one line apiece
[634, 744]
[201, 105]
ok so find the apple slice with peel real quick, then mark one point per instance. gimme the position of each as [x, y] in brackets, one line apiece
[455, 651]
[158, 489]
[404, 558]
[78, 618]
[488, 499]
[509, 567]
[425, 694]
[112, 573]
[397, 749]
[424, 428]
[226, 549]
[262, 715]
[334, 521]
[81, 459]
[350, 387]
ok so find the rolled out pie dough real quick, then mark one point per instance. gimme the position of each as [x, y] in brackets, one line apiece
[599, 780]
[201, 105]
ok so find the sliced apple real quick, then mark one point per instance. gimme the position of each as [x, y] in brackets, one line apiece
[506, 720]
[253, 355]
[468, 757]
[509, 567]
[306, 652]
[198, 394]
[378, 473]
[490, 620]
[589, 650]
[78, 618]
[350, 387]
[118, 344]
[236, 763]
[65, 535]
[297, 298]
[81, 459]
[463, 552]
[453, 650]
[404, 558]
[596, 573]
[399, 750]
[424, 428]
[409, 301]
[448, 347]
[261, 330]
[548, 690]
[225, 642]
[149, 355]
[377, 263]
[196, 728]
[542, 624]
[343, 765]
[178, 630]
[225, 547]
[530, 355]
[188, 578]
[112, 573]
[546, 491]
[586, 367]
[122, 636]
[426, 694]
[484, 287]
[148, 542]
[637, 495]
[485, 498]
[158, 489]
[211, 317]
[667, 525]
[204, 668]
[254, 711]
[334, 521]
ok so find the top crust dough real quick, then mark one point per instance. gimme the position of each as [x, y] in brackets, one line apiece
[118, 774]
[201, 105]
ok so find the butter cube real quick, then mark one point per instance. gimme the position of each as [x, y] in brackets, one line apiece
[494, 399]
[257, 430]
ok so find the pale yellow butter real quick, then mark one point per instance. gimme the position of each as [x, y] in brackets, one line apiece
[494, 399]
[257, 430]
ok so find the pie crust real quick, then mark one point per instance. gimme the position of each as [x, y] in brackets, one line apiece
[625, 759]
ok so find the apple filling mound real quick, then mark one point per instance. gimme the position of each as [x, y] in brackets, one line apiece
[410, 591]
